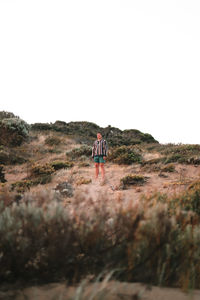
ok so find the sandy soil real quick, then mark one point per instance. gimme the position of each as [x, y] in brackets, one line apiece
[174, 182]
[171, 183]
[112, 290]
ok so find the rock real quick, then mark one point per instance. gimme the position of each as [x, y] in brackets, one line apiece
[65, 189]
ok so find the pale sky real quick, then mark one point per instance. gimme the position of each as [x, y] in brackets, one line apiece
[125, 63]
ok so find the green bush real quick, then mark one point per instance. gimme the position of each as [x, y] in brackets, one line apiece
[4, 157]
[132, 180]
[9, 157]
[43, 179]
[22, 185]
[85, 132]
[185, 154]
[41, 174]
[41, 126]
[79, 152]
[53, 150]
[13, 131]
[2, 174]
[83, 180]
[57, 164]
[180, 149]
[173, 158]
[6, 115]
[53, 141]
[124, 155]
[45, 169]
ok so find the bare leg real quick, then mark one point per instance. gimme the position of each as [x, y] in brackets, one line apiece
[96, 170]
[102, 171]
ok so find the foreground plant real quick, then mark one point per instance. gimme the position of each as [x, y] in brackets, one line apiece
[149, 241]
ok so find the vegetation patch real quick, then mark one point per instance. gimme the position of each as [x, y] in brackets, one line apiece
[124, 155]
[4, 157]
[52, 141]
[180, 149]
[83, 164]
[132, 180]
[2, 174]
[53, 150]
[50, 243]
[10, 157]
[41, 174]
[58, 164]
[13, 131]
[45, 169]
[83, 180]
[151, 168]
[152, 161]
[22, 185]
[168, 168]
[86, 132]
[78, 153]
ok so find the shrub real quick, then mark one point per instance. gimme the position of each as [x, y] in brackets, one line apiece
[45, 169]
[144, 242]
[57, 164]
[43, 179]
[4, 157]
[52, 141]
[168, 168]
[151, 168]
[22, 185]
[194, 160]
[7, 115]
[53, 150]
[41, 126]
[132, 180]
[83, 180]
[13, 131]
[2, 174]
[9, 157]
[180, 149]
[189, 200]
[41, 174]
[79, 152]
[153, 161]
[124, 155]
[186, 154]
[173, 158]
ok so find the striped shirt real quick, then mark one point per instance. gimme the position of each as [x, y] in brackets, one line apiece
[100, 147]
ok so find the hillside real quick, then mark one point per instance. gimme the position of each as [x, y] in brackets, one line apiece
[59, 223]
[167, 168]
